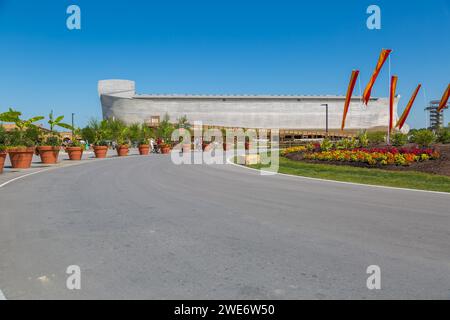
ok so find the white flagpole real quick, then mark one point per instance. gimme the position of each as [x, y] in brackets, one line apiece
[389, 95]
[426, 105]
[360, 92]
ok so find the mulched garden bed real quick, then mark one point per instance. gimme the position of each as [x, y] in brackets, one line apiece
[440, 166]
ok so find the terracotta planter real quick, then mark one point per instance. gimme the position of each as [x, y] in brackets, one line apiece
[122, 151]
[48, 154]
[75, 153]
[2, 160]
[144, 149]
[187, 147]
[100, 151]
[206, 146]
[165, 149]
[21, 158]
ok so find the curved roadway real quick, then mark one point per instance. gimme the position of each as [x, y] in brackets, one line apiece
[142, 227]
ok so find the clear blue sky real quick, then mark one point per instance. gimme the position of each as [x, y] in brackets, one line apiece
[215, 47]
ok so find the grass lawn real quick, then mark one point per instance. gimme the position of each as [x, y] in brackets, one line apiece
[403, 179]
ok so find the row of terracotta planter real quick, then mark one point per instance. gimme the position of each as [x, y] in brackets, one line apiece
[21, 158]
[50, 155]
[122, 151]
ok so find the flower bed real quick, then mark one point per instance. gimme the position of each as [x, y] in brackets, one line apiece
[375, 156]
[293, 150]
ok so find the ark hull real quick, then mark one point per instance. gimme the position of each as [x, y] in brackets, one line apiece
[120, 101]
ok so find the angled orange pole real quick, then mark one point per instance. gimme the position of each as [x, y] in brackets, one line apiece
[405, 114]
[444, 99]
[381, 60]
[394, 80]
[348, 98]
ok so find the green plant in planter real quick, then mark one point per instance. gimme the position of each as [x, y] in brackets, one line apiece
[146, 133]
[119, 132]
[77, 132]
[134, 133]
[57, 122]
[183, 123]
[3, 138]
[24, 134]
[52, 140]
[165, 130]
[98, 132]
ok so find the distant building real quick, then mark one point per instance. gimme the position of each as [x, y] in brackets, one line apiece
[436, 119]
[295, 116]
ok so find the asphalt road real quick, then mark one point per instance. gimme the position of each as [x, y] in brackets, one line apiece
[144, 228]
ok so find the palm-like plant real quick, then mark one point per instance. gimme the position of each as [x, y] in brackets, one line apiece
[98, 131]
[134, 133]
[165, 130]
[19, 136]
[57, 122]
[75, 142]
[119, 132]
[183, 123]
[54, 139]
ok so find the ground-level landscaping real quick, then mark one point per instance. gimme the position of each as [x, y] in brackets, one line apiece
[371, 176]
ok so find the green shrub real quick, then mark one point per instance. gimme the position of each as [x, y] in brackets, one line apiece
[399, 139]
[423, 137]
[376, 137]
[347, 144]
[326, 145]
[443, 135]
[363, 139]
